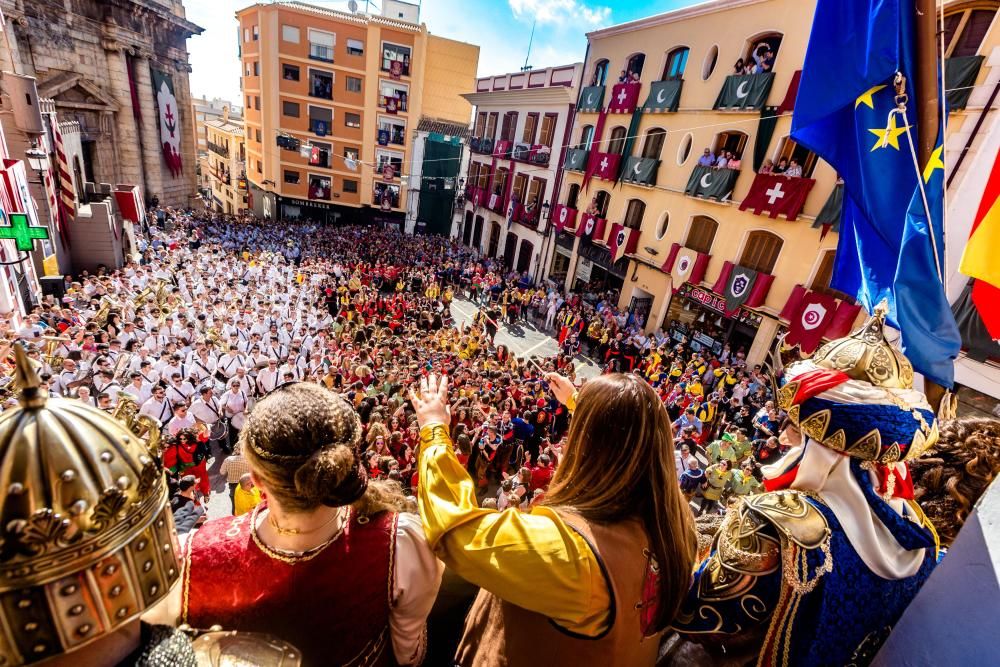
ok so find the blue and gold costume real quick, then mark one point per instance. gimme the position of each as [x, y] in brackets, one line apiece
[818, 569]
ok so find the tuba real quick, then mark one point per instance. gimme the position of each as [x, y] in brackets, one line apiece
[143, 426]
[51, 343]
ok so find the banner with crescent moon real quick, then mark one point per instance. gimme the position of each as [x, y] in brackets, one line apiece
[747, 91]
[576, 159]
[664, 96]
[711, 183]
[689, 266]
[809, 320]
[591, 99]
[640, 170]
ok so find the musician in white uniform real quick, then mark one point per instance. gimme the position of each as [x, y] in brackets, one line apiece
[138, 388]
[235, 404]
[206, 409]
[268, 378]
[157, 406]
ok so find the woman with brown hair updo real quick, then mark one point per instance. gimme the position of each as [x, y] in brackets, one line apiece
[327, 562]
[950, 477]
[594, 573]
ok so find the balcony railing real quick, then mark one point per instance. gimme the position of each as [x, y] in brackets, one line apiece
[322, 90]
[744, 92]
[396, 68]
[576, 159]
[531, 153]
[591, 99]
[321, 53]
[502, 148]
[481, 145]
[221, 151]
[711, 183]
[640, 170]
[320, 128]
[392, 104]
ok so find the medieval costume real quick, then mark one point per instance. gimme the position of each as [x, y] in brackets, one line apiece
[818, 569]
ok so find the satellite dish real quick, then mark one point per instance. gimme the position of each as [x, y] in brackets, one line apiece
[353, 6]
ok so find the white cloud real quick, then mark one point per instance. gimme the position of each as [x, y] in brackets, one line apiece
[559, 11]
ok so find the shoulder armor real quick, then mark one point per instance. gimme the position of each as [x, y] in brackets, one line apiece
[792, 515]
[218, 647]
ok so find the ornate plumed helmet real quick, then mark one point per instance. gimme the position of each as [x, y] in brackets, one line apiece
[87, 540]
[855, 395]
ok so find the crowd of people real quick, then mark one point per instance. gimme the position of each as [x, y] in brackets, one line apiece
[367, 435]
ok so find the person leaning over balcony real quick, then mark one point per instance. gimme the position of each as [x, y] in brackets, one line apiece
[595, 571]
[706, 159]
[794, 169]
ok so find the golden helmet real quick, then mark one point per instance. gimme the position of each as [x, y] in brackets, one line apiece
[87, 540]
[867, 355]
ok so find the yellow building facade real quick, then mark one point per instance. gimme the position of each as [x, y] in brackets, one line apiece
[692, 53]
[332, 105]
[224, 164]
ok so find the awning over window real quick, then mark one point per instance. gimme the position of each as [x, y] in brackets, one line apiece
[664, 96]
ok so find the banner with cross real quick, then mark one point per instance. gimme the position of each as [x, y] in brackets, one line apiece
[777, 194]
[21, 231]
[170, 121]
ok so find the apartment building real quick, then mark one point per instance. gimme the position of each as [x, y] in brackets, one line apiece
[224, 164]
[332, 102]
[522, 123]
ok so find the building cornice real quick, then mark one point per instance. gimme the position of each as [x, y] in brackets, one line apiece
[710, 7]
[547, 95]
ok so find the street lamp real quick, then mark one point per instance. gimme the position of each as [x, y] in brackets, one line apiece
[38, 160]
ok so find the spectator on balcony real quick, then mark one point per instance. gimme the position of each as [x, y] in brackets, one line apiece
[633, 77]
[767, 167]
[623, 77]
[740, 67]
[782, 166]
[721, 162]
[706, 159]
[593, 209]
[794, 169]
[734, 161]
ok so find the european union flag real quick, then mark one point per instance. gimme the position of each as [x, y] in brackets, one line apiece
[843, 114]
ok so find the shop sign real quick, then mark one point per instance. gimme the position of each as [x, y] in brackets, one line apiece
[717, 303]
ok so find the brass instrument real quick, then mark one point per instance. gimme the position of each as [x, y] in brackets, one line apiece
[143, 426]
[104, 312]
[51, 343]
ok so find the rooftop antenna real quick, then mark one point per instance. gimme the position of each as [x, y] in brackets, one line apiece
[530, 40]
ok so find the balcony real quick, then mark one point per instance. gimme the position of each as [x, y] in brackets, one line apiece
[503, 148]
[624, 97]
[221, 151]
[591, 99]
[396, 68]
[563, 217]
[481, 145]
[393, 104]
[537, 154]
[640, 170]
[321, 87]
[393, 135]
[576, 159]
[711, 183]
[320, 128]
[319, 188]
[606, 166]
[321, 53]
[664, 96]
[744, 92]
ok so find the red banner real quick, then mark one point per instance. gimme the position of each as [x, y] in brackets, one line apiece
[809, 320]
[563, 216]
[687, 266]
[623, 241]
[590, 225]
[778, 194]
[606, 166]
[624, 97]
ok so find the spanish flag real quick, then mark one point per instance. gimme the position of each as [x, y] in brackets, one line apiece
[979, 259]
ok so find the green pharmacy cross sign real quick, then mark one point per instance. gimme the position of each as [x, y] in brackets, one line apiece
[24, 235]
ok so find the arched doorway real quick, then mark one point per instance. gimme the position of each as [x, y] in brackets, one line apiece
[467, 230]
[509, 248]
[477, 236]
[491, 251]
[524, 256]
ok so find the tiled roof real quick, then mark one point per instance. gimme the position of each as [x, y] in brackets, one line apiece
[446, 127]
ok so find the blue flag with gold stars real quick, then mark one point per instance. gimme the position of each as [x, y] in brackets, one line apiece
[843, 114]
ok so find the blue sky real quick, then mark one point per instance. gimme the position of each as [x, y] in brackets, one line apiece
[500, 27]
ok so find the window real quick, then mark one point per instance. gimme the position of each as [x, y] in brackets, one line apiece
[257, 134]
[290, 72]
[824, 274]
[600, 73]
[319, 187]
[352, 119]
[351, 154]
[391, 130]
[965, 29]
[616, 144]
[320, 120]
[763, 48]
[353, 84]
[701, 235]
[520, 189]
[321, 45]
[290, 33]
[661, 226]
[256, 33]
[350, 186]
[320, 84]
[711, 59]
[653, 144]
[256, 102]
[491, 125]
[260, 167]
[290, 109]
[393, 95]
[248, 102]
[396, 59]
[573, 195]
[530, 128]
[291, 177]
[548, 130]
[684, 150]
[633, 66]
[355, 47]
[603, 201]
[633, 213]
[480, 124]
[246, 34]
[256, 68]
[761, 251]
[586, 137]
[319, 155]
[509, 125]
[536, 193]
[791, 151]
[731, 141]
[676, 62]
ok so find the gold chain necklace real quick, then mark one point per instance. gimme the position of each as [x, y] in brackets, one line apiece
[297, 531]
[290, 557]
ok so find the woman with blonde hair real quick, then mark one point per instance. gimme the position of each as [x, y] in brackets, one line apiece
[327, 562]
[596, 571]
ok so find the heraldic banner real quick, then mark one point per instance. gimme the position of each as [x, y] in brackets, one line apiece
[170, 120]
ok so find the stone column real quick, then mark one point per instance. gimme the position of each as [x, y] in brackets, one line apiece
[128, 165]
[157, 174]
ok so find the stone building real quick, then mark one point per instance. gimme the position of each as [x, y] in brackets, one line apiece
[97, 59]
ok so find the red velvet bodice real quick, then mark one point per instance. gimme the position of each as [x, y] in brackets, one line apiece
[334, 607]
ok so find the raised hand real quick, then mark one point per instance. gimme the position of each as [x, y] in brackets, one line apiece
[431, 401]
